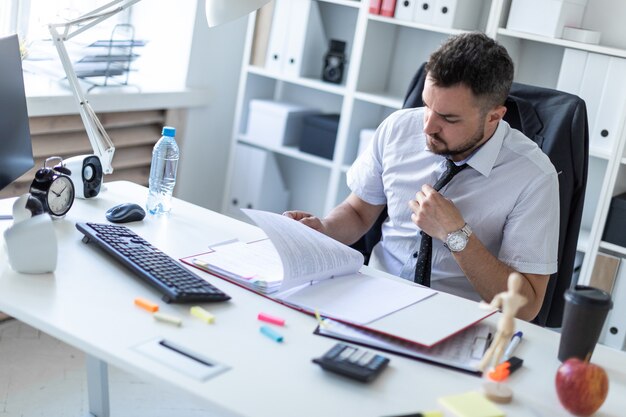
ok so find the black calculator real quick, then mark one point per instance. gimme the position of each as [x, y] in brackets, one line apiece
[353, 362]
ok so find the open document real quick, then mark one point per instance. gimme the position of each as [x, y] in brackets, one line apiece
[308, 270]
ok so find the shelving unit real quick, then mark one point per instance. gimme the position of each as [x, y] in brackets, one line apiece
[383, 55]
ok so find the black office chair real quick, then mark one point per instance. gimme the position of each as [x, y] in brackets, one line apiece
[557, 122]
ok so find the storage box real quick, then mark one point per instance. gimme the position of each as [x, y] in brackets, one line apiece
[615, 226]
[319, 134]
[545, 17]
[273, 123]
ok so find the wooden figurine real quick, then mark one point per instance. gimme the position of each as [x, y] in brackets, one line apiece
[509, 302]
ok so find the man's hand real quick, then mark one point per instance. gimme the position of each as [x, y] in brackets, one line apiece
[307, 219]
[434, 214]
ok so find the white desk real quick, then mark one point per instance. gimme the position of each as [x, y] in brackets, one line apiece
[88, 303]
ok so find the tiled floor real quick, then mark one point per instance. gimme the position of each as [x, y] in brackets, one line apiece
[41, 376]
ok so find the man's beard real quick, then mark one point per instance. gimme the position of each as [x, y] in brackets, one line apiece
[472, 143]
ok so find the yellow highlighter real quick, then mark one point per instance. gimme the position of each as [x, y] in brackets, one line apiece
[202, 314]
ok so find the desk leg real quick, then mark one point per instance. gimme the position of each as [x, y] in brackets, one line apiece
[97, 386]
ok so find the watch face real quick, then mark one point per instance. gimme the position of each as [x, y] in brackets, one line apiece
[60, 195]
[456, 241]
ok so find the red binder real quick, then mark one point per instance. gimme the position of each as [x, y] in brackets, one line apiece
[388, 8]
[375, 6]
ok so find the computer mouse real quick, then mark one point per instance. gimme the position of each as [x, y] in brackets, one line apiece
[125, 212]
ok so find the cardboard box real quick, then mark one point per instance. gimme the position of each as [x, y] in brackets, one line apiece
[273, 123]
[545, 17]
[319, 134]
[615, 226]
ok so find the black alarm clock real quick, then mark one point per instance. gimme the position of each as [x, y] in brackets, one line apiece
[54, 188]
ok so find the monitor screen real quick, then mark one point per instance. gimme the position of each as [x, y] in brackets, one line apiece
[16, 152]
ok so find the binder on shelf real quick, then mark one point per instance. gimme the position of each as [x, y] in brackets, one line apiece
[297, 41]
[388, 8]
[424, 12]
[375, 6]
[405, 9]
[604, 272]
[606, 128]
[457, 14]
[306, 43]
[256, 182]
[598, 79]
[262, 28]
[572, 71]
[278, 33]
[614, 331]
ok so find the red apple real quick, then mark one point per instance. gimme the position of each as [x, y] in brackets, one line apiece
[581, 386]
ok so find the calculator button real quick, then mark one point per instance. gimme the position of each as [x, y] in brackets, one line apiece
[376, 362]
[335, 351]
[347, 352]
[366, 358]
[356, 356]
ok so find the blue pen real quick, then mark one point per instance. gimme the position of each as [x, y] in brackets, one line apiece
[515, 340]
[271, 333]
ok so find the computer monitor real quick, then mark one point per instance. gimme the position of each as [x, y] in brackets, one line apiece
[16, 151]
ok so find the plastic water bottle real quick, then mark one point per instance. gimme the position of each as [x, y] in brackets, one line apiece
[163, 172]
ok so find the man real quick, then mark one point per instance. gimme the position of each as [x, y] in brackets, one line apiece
[497, 216]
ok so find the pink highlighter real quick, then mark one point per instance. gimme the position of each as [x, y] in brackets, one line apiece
[271, 319]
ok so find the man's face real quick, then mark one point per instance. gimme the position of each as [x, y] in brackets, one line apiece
[454, 123]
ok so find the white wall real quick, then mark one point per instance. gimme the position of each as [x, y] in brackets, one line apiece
[215, 64]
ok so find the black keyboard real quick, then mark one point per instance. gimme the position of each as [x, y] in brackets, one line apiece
[176, 283]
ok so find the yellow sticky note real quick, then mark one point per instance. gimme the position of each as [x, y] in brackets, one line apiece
[471, 404]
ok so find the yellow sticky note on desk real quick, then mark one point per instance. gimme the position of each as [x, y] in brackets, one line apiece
[471, 404]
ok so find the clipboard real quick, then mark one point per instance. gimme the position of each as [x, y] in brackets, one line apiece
[461, 352]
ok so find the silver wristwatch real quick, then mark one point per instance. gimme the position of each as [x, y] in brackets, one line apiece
[457, 241]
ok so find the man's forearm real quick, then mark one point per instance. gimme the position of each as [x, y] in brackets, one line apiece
[345, 224]
[489, 277]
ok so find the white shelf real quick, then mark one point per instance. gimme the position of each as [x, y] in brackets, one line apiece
[605, 50]
[613, 248]
[382, 99]
[347, 3]
[420, 26]
[302, 81]
[291, 151]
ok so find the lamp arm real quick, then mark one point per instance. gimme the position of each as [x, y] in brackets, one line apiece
[100, 141]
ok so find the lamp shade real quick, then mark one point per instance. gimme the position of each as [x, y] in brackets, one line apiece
[222, 11]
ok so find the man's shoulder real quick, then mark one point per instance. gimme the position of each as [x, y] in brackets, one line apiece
[525, 149]
[406, 115]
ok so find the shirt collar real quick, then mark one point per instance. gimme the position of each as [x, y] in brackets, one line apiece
[485, 157]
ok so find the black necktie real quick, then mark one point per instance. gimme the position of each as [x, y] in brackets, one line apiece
[425, 254]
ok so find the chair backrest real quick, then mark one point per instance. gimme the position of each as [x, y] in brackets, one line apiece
[557, 122]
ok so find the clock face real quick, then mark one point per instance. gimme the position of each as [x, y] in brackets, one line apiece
[60, 195]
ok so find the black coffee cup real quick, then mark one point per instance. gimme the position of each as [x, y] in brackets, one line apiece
[585, 311]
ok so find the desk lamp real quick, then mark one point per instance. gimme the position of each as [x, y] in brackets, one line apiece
[217, 12]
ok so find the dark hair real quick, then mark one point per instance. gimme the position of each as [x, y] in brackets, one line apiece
[477, 61]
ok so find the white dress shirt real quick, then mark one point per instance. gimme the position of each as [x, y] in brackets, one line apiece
[508, 195]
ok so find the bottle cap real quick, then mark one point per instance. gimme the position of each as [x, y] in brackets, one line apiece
[168, 131]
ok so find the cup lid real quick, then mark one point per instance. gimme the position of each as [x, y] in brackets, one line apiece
[590, 296]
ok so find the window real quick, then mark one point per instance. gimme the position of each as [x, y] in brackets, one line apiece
[153, 21]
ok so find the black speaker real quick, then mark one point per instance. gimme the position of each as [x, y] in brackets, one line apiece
[86, 174]
[334, 62]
